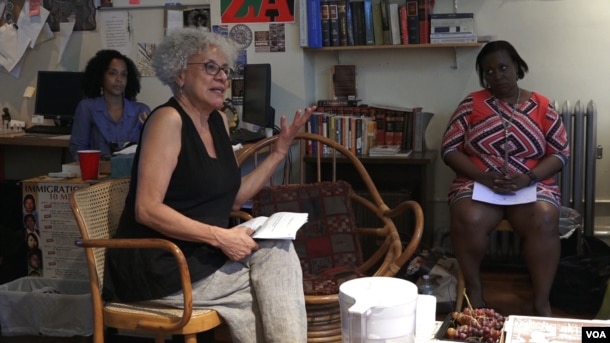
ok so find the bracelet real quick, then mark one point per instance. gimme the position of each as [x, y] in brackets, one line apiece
[533, 177]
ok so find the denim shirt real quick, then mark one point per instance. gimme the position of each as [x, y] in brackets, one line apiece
[93, 128]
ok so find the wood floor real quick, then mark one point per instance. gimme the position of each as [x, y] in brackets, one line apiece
[506, 291]
[509, 292]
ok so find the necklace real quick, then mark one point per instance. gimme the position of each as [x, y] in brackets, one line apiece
[506, 125]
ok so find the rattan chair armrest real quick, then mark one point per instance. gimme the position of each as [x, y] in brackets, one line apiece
[418, 229]
[153, 243]
[322, 299]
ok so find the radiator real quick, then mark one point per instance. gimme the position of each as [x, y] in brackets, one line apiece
[577, 181]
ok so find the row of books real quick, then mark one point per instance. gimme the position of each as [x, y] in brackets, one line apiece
[362, 127]
[365, 22]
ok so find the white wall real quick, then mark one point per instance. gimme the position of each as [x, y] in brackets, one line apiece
[565, 43]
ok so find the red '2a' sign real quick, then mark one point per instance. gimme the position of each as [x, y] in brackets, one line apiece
[256, 11]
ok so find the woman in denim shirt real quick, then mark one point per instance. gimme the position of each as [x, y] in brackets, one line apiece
[109, 118]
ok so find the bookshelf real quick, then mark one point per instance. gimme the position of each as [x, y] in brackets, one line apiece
[454, 46]
[397, 46]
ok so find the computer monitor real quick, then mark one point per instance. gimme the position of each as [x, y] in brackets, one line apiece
[57, 95]
[257, 107]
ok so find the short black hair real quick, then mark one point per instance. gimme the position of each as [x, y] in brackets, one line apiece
[500, 45]
[97, 66]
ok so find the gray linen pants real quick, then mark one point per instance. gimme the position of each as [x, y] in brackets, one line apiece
[260, 297]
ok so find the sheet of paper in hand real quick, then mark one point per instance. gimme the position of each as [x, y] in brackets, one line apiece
[482, 193]
[280, 225]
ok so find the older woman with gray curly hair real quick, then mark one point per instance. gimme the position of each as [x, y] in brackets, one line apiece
[185, 182]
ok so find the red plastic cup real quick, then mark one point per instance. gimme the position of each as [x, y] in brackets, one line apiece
[89, 161]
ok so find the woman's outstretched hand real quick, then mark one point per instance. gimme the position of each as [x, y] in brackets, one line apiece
[288, 132]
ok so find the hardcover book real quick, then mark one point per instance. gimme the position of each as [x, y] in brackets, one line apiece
[325, 18]
[413, 21]
[377, 29]
[385, 22]
[389, 127]
[314, 23]
[404, 27]
[358, 22]
[380, 124]
[368, 22]
[425, 8]
[303, 39]
[349, 23]
[344, 81]
[343, 27]
[394, 23]
[420, 123]
[333, 14]
[336, 102]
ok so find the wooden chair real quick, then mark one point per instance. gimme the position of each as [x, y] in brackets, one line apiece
[323, 311]
[97, 209]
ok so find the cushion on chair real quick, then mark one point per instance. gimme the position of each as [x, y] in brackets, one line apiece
[327, 244]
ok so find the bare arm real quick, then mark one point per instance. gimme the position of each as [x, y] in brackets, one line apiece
[159, 152]
[461, 164]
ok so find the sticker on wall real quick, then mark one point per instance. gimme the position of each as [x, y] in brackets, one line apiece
[242, 35]
[222, 30]
[273, 40]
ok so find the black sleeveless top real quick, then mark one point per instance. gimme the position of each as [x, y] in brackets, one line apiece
[202, 188]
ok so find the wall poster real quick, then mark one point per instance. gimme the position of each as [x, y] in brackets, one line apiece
[82, 12]
[256, 11]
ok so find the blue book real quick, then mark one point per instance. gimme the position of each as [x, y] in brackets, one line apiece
[368, 22]
[314, 24]
[350, 23]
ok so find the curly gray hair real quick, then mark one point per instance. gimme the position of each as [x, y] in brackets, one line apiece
[173, 53]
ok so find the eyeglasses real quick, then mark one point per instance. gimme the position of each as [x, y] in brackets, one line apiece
[213, 69]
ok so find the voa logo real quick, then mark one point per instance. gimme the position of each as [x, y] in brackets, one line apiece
[595, 334]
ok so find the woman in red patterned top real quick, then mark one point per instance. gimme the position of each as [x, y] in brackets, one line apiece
[505, 140]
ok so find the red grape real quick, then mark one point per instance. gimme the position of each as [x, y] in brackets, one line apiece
[480, 325]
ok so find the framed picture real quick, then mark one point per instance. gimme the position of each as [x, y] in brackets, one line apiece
[182, 16]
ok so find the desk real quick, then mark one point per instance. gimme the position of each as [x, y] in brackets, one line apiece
[24, 155]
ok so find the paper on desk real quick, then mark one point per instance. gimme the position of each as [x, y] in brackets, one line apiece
[482, 193]
[66, 137]
[128, 150]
